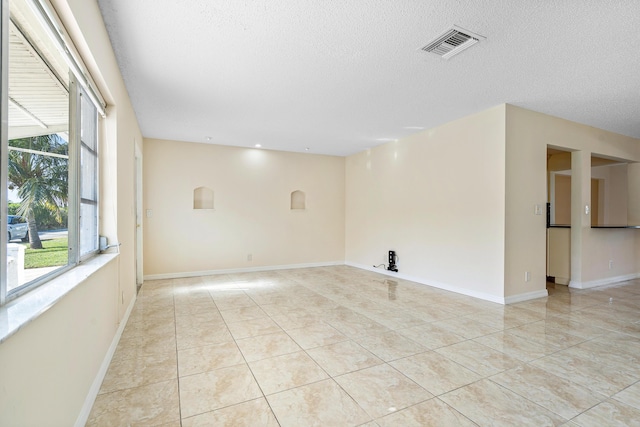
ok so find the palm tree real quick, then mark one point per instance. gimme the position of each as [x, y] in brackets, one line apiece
[41, 180]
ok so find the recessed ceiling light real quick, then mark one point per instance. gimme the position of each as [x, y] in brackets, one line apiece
[258, 145]
[413, 127]
[386, 139]
[307, 149]
[208, 138]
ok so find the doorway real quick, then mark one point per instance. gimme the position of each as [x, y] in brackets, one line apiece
[558, 216]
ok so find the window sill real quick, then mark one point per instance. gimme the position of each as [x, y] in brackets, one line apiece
[19, 312]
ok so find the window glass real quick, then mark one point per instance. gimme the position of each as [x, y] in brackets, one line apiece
[38, 151]
[88, 175]
[51, 158]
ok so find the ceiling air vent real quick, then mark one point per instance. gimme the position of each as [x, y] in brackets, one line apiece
[452, 42]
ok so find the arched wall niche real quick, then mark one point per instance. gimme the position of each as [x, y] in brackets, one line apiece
[202, 198]
[298, 200]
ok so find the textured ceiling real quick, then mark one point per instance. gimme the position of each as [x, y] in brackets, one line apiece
[340, 76]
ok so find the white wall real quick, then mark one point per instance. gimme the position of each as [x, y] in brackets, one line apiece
[48, 367]
[437, 198]
[252, 215]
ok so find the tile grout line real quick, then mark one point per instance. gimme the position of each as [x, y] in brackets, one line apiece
[175, 331]
[362, 311]
[264, 396]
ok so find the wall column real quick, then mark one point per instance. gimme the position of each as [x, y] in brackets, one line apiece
[580, 219]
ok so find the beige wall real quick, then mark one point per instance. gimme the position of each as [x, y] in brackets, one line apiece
[83, 21]
[527, 135]
[612, 194]
[48, 367]
[562, 199]
[559, 254]
[437, 198]
[615, 195]
[525, 188]
[252, 215]
[633, 208]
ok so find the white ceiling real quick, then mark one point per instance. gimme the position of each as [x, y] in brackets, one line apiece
[339, 76]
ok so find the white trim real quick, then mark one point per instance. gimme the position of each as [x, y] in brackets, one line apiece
[446, 287]
[603, 282]
[182, 274]
[526, 296]
[83, 416]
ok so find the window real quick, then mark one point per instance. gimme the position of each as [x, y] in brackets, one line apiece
[49, 151]
[88, 176]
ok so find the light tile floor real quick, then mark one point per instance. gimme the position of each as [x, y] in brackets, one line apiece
[338, 346]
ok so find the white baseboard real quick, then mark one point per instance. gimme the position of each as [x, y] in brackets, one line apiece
[481, 295]
[603, 282]
[182, 274]
[526, 296]
[97, 382]
[446, 287]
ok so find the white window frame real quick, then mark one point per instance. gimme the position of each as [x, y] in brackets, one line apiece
[80, 84]
[84, 253]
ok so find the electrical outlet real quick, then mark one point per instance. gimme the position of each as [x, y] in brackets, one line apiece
[250, 257]
[610, 264]
[527, 276]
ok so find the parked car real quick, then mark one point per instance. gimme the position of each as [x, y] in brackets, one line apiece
[17, 228]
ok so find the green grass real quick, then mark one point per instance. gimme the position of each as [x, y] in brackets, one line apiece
[54, 253]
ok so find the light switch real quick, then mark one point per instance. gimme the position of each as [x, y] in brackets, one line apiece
[149, 213]
[537, 209]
